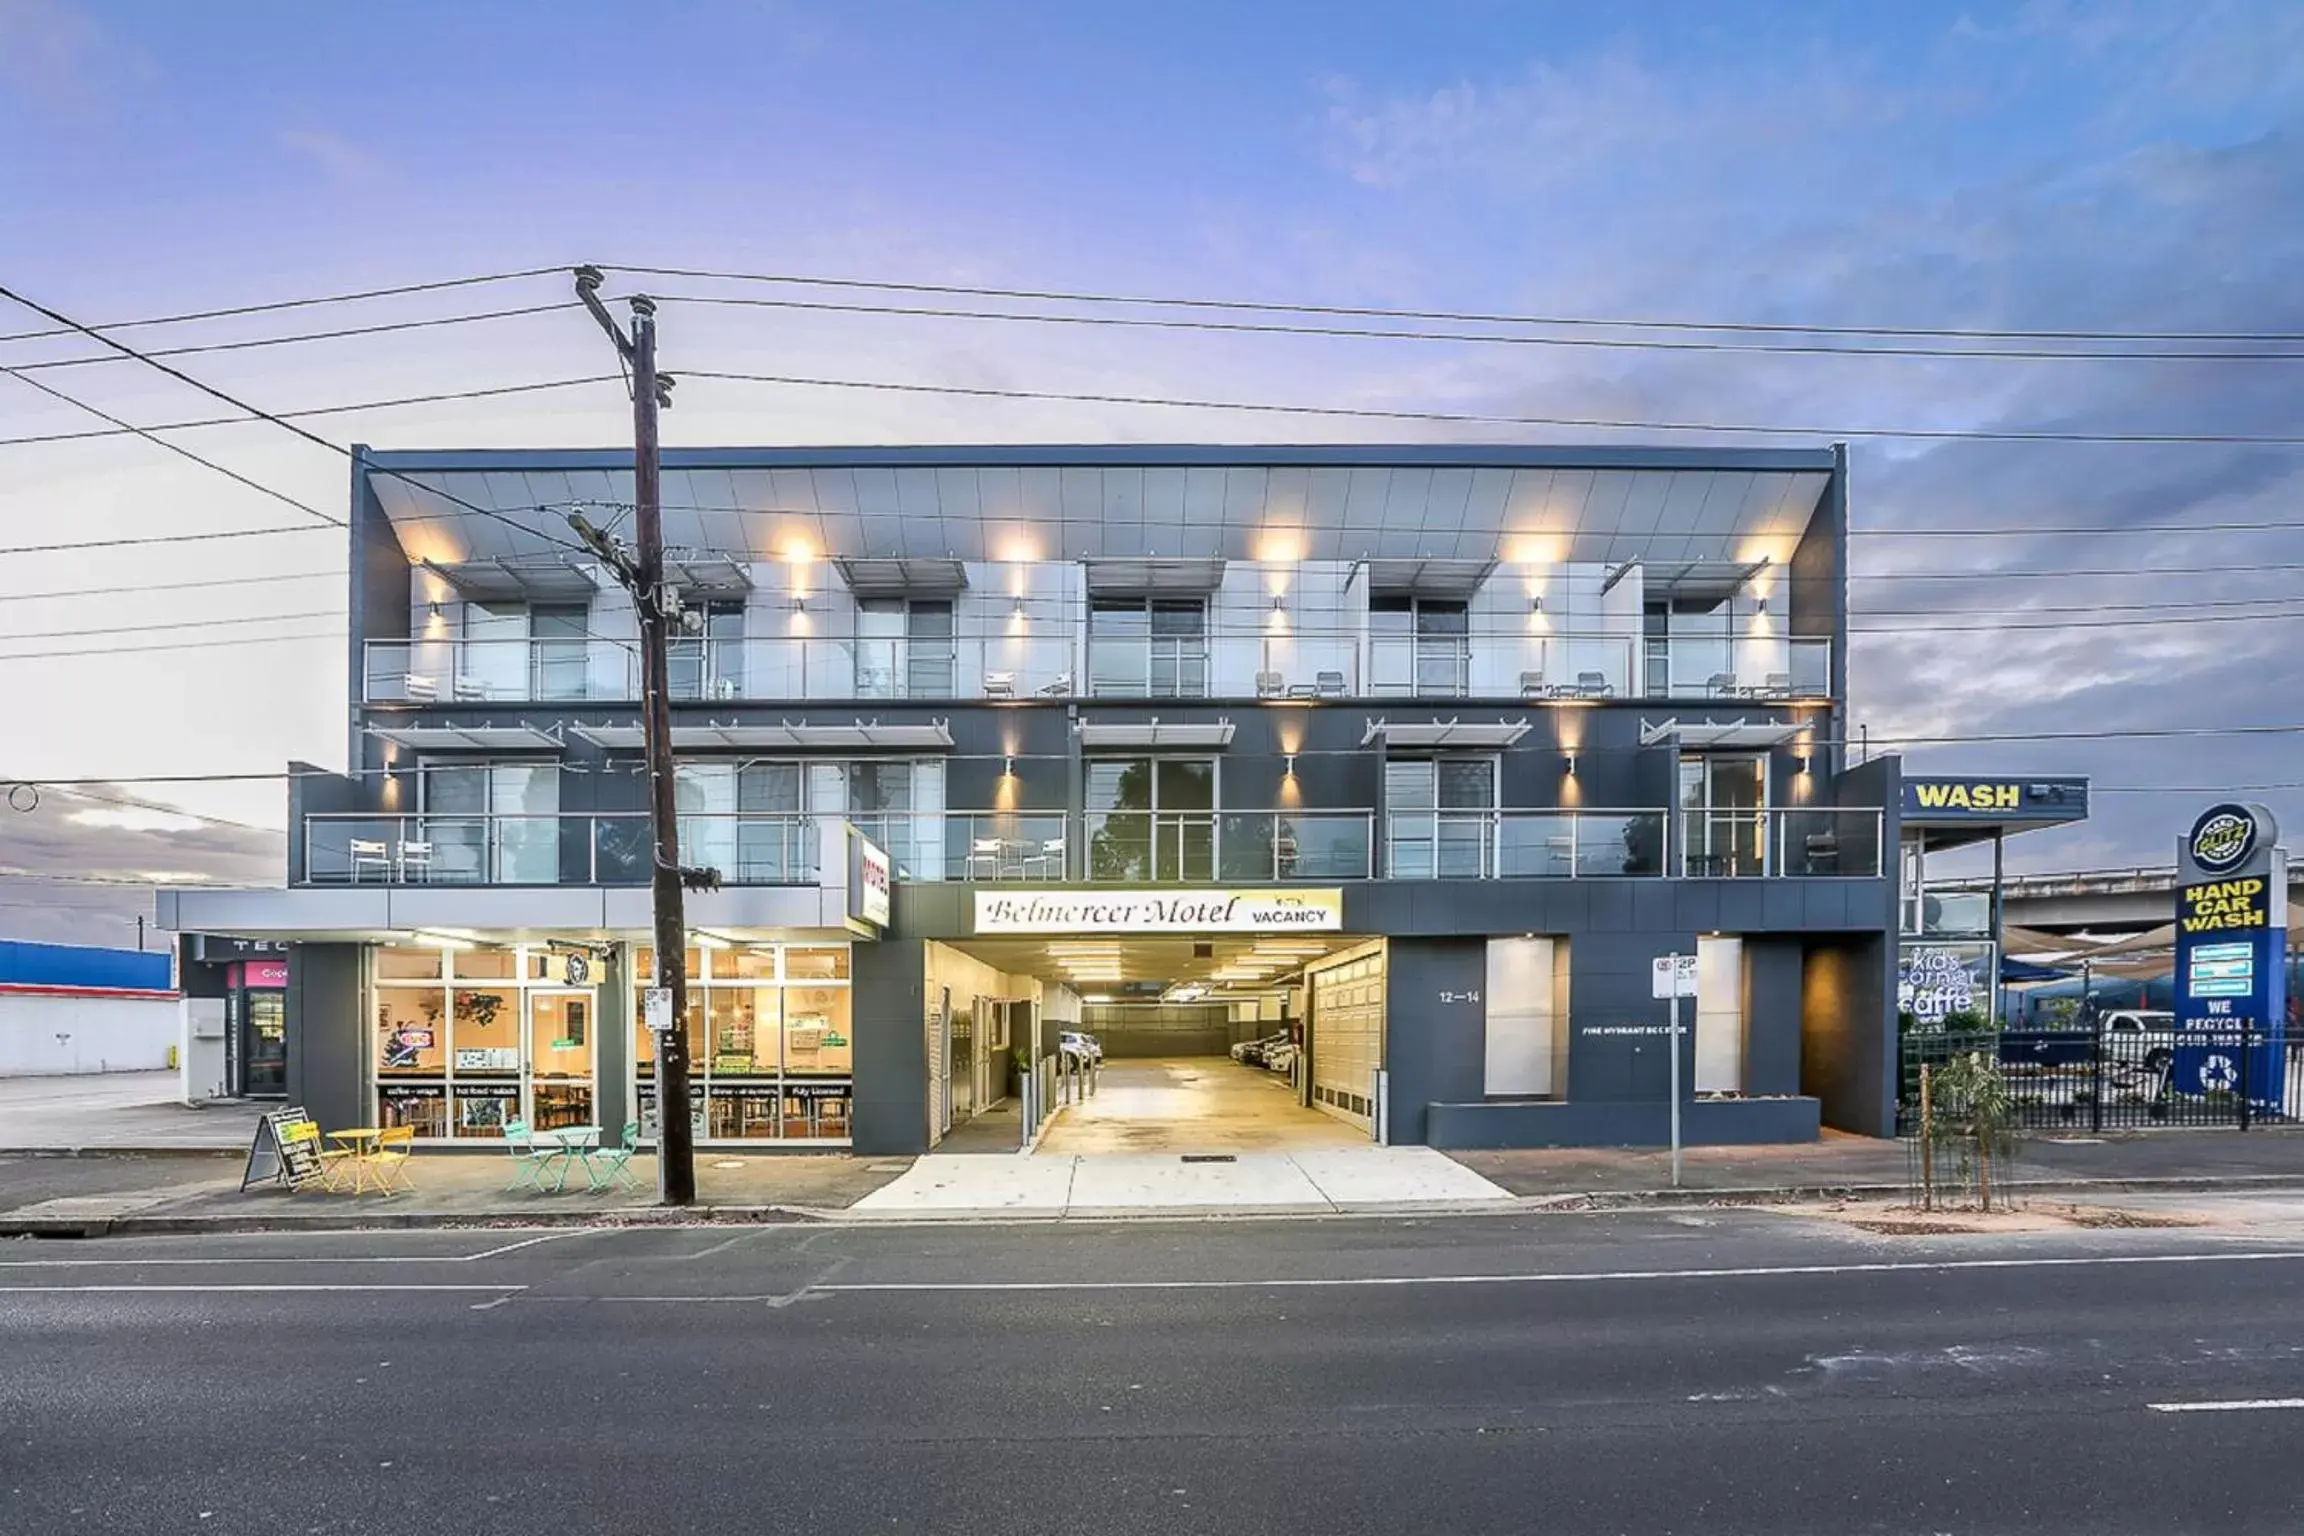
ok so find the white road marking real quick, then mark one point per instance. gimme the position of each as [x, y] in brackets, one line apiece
[2236, 1405]
[290, 1258]
[1563, 1277]
[216, 1290]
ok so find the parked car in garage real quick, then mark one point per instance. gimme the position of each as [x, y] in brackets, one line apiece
[1254, 1052]
[1076, 1042]
[1281, 1058]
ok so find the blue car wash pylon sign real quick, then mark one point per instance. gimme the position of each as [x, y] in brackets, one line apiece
[2231, 956]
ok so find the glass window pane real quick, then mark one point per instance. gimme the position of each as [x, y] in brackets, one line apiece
[409, 1039]
[398, 962]
[816, 1034]
[746, 964]
[829, 964]
[1119, 784]
[1408, 786]
[1185, 784]
[453, 790]
[1467, 784]
[486, 964]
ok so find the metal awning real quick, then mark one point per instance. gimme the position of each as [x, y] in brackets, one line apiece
[1155, 733]
[467, 738]
[544, 579]
[707, 575]
[1699, 735]
[1154, 578]
[1688, 580]
[903, 578]
[1427, 578]
[1444, 733]
[783, 736]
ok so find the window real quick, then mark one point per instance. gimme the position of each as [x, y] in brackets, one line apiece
[1151, 818]
[559, 654]
[1420, 645]
[1527, 1017]
[709, 665]
[1441, 815]
[1719, 1015]
[491, 823]
[746, 820]
[1148, 646]
[904, 648]
[467, 1041]
[1723, 828]
[770, 1036]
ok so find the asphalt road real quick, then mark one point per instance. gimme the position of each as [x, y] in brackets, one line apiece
[1721, 1373]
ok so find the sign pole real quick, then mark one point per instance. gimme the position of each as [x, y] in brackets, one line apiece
[1674, 1047]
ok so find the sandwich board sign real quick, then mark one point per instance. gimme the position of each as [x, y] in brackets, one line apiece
[286, 1151]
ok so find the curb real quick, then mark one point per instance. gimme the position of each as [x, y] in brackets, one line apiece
[1566, 1203]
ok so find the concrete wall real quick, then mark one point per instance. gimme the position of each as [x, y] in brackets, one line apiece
[1161, 1029]
[328, 1036]
[54, 1034]
[888, 1001]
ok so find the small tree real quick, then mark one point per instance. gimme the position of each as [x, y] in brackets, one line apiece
[1974, 1120]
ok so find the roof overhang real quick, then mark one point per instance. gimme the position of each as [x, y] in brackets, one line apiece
[1154, 578]
[785, 736]
[1444, 733]
[467, 738]
[1704, 735]
[1688, 580]
[903, 577]
[1427, 578]
[1155, 733]
[539, 579]
[707, 575]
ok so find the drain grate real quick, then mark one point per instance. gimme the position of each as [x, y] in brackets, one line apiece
[1209, 1157]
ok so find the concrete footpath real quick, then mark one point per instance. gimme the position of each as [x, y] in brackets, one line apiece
[95, 1193]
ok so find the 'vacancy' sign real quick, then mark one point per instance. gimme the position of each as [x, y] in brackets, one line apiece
[1313, 911]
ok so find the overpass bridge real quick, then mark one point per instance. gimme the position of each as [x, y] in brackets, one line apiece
[2099, 900]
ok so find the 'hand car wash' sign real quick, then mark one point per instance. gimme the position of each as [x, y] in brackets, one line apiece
[2231, 951]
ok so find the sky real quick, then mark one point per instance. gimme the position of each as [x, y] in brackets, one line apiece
[2042, 166]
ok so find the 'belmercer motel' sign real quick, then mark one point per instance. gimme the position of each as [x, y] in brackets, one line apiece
[1289, 911]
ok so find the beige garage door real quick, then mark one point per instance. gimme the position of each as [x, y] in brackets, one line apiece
[1348, 1038]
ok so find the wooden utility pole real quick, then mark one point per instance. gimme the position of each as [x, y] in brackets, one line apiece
[658, 604]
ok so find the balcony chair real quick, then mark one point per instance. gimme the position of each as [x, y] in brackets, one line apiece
[1048, 862]
[1594, 685]
[415, 861]
[419, 686]
[984, 850]
[471, 688]
[1778, 686]
[369, 853]
[1532, 685]
[1823, 849]
[999, 685]
[1328, 685]
[1061, 688]
[1720, 685]
[1270, 685]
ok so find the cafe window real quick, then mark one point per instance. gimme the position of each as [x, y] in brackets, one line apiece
[770, 1042]
[502, 1037]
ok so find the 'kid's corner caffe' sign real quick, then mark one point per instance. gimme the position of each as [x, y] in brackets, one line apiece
[1290, 911]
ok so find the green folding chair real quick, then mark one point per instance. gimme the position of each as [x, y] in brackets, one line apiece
[528, 1159]
[604, 1166]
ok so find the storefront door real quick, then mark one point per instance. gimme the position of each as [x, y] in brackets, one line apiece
[556, 1057]
[264, 1042]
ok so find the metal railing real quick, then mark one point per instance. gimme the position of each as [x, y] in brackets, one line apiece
[1722, 843]
[1277, 662]
[2097, 1078]
[1226, 847]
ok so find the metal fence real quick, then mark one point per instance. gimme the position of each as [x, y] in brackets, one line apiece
[2106, 1080]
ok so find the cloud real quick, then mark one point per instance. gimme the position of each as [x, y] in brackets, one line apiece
[50, 51]
[80, 870]
[339, 158]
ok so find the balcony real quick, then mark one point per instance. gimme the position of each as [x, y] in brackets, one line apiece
[1226, 847]
[1279, 662]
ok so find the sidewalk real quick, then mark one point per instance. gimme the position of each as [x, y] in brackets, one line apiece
[119, 1193]
[2144, 1159]
[117, 1111]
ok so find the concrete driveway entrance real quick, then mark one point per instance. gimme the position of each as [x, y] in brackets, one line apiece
[1193, 1104]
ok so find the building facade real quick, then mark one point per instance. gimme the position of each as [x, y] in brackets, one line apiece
[1424, 753]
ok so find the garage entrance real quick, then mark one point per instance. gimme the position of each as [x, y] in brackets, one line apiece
[1215, 1045]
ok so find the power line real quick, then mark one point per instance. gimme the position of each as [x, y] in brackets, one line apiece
[1373, 333]
[288, 426]
[442, 398]
[169, 586]
[398, 291]
[1473, 418]
[250, 343]
[2018, 613]
[1998, 626]
[186, 645]
[129, 629]
[2124, 572]
[176, 448]
[158, 538]
[1461, 316]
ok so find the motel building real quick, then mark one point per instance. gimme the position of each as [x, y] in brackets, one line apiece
[1422, 755]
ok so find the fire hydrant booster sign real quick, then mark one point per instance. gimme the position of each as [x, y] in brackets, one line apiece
[2231, 954]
